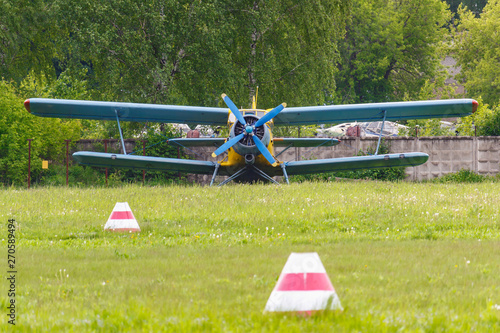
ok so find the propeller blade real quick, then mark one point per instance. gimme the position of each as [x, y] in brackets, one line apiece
[263, 150]
[228, 145]
[270, 115]
[234, 109]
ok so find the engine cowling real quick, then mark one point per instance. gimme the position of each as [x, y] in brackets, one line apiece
[246, 145]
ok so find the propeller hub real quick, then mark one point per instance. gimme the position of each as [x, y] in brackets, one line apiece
[249, 129]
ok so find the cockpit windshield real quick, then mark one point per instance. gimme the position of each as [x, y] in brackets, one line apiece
[258, 113]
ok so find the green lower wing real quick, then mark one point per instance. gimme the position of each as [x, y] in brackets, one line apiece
[305, 142]
[106, 160]
[197, 142]
[356, 162]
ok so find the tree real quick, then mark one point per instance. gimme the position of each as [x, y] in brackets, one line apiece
[26, 38]
[185, 52]
[286, 48]
[16, 126]
[390, 50]
[484, 122]
[477, 50]
[136, 48]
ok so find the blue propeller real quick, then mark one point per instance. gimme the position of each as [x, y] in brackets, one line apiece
[270, 115]
[228, 144]
[263, 150]
[234, 109]
[249, 130]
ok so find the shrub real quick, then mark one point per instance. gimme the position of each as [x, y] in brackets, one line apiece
[465, 176]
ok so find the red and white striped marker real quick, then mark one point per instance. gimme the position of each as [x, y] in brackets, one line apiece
[122, 219]
[303, 286]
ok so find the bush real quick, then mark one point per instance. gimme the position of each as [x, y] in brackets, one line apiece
[78, 175]
[465, 176]
[17, 126]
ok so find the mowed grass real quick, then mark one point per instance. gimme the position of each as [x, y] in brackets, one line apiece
[401, 256]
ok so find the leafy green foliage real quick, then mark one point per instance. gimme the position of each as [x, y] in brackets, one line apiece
[427, 127]
[16, 126]
[476, 47]
[180, 52]
[27, 33]
[78, 176]
[287, 48]
[465, 176]
[295, 131]
[492, 124]
[390, 50]
[485, 121]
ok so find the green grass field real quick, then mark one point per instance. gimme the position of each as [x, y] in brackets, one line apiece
[401, 256]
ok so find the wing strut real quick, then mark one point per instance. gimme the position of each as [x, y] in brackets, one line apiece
[265, 175]
[281, 152]
[121, 134]
[215, 173]
[248, 168]
[283, 166]
[234, 176]
[380, 134]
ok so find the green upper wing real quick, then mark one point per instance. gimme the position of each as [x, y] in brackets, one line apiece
[375, 112]
[61, 108]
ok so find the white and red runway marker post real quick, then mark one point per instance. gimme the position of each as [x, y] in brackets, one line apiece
[122, 219]
[303, 286]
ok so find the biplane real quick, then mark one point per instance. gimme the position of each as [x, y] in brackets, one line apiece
[251, 148]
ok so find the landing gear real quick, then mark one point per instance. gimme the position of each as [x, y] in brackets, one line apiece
[250, 171]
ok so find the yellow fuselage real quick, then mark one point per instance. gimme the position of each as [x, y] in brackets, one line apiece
[235, 161]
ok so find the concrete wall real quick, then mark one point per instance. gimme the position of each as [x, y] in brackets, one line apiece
[446, 154]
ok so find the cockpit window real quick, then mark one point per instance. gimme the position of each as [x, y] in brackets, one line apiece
[259, 113]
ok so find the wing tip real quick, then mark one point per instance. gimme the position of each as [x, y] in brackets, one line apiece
[27, 105]
[475, 104]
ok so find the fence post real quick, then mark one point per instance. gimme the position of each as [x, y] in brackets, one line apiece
[29, 162]
[143, 154]
[106, 150]
[179, 156]
[67, 161]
